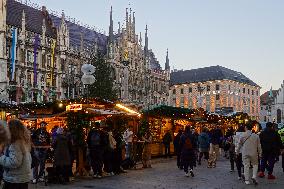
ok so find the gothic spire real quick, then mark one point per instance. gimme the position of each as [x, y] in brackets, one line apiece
[146, 40]
[23, 21]
[140, 39]
[133, 26]
[110, 27]
[167, 64]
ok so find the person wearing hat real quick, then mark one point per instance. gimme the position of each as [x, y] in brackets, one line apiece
[62, 160]
[41, 143]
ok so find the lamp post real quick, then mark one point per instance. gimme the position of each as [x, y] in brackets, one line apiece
[87, 78]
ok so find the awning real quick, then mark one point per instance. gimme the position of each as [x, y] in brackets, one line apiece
[108, 112]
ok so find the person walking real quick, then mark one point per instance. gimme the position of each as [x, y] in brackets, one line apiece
[94, 142]
[167, 139]
[41, 144]
[62, 160]
[128, 138]
[146, 155]
[188, 147]
[238, 156]
[251, 150]
[215, 140]
[203, 145]
[16, 157]
[177, 148]
[271, 145]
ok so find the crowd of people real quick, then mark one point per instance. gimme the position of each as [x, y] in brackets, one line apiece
[24, 152]
[245, 148]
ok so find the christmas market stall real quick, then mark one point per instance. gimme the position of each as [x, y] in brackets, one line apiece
[163, 118]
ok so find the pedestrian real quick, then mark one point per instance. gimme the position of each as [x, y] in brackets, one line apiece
[146, 155]
[251, 150]
[4, 140]
[96, 150]
[281, 133]
[238, 156]
[62, 160]
[16, 157]
[231, 151]
[110, 146]
[188, 147]
[128, 138]
[167, 139]
[41, 144]
[215, 140]
[120, 144]
[271, 145]
[203, 145]
[177, 148]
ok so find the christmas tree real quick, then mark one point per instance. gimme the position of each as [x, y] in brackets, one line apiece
[103, 86]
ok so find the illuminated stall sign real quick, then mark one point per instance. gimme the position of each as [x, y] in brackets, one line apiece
[74, 107]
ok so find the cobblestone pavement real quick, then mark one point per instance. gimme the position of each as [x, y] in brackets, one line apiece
[165, 175]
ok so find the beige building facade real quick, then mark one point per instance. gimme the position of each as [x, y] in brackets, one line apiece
[215, 89]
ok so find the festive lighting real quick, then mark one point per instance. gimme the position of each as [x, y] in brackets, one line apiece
[127, 109]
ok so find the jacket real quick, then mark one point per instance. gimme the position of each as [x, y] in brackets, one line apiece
[177, 142]
[62, 151]
[215, 136]
[203, 141]
[270, 141]
[250, 144]
[167, 139]
[16, 164]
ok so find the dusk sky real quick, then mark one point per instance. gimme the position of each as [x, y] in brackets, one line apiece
[243, 35]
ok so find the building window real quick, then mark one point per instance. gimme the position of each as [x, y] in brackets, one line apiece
[30, 56]
[252, 92]
[182, 101]
[229, 87]
[256, 93]
[217, 87]
[248, 91]
[190, 90]
[174, 91]
[244, 90]
[264, 119]
[181, 91]
[208, 87]
[174, 101]
[217, 97]
[261, 108]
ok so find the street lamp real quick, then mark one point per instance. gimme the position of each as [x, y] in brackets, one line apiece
[87, 78]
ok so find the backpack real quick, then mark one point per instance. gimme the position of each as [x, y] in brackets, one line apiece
[95, 139]
[188, 143]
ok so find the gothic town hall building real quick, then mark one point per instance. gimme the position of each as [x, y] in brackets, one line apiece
[41, 55]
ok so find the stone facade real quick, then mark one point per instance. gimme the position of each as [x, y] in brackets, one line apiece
[272, 105]
[50, 68]
[214, 93]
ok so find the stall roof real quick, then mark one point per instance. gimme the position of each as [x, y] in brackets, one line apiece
[108, 112]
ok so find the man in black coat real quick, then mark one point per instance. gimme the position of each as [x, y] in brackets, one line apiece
[178, 148]
[271, 145]
[188, 148]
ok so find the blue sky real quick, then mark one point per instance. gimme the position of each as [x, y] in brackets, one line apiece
[243, 35]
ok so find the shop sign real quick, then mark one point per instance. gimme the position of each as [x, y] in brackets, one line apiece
[74, 107]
